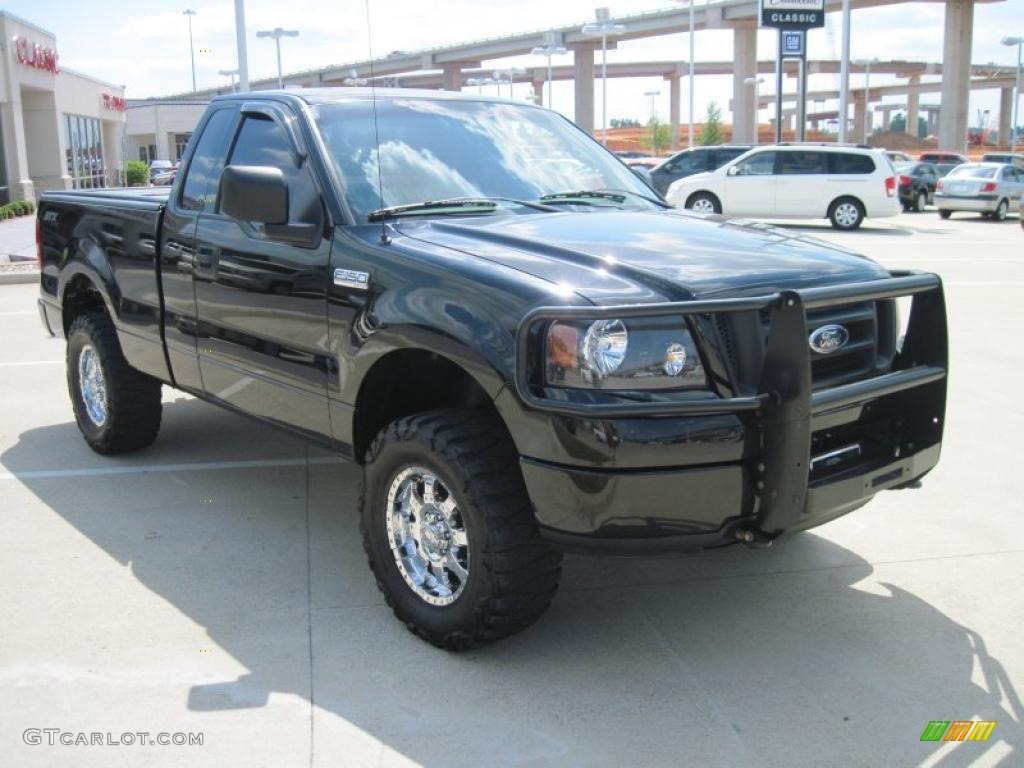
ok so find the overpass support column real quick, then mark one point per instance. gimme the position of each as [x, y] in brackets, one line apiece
[452, 77]
[1005, 116]
[674, 107]
[956, 74]
[538, 92]
[913, 106]
[744, 97]
[860, 115]
[583, 76]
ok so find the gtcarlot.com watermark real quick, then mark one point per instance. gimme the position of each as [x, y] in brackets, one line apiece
[56, 736]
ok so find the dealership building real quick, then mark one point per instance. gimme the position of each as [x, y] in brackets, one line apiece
[58, 129]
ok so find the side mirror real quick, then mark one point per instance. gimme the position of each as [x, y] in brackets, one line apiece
[733, 171]
[254, 193]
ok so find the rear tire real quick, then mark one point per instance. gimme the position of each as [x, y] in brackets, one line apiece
[703, 202]
[999, 214]
[846, 213]
[117, 408]
[462, 564]
[921, 202]
[945, 214]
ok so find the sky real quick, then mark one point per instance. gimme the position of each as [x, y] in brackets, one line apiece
[144, 44]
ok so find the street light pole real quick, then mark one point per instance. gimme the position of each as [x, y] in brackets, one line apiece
[277, 33]
[1018, 41]
[653, 95]
[866, 63]
[844, 74]
[243, 58]
[191, 49]
[603, 27]
[229, 73]
[550, 48]
[689, 133]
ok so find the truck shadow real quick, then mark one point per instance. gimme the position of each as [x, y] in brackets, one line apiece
[800, 666]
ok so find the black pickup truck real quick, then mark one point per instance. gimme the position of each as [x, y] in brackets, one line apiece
[523, 346]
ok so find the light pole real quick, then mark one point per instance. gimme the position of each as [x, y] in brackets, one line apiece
[191, 50]
[243, 58]
[690, 3]
[511, 73]
[277, 33]
[653, 95]
[1018, 41]
[549, 49]
[844, 75]
[866, 63]
[603, 27]
[229, 73]
[756, 82]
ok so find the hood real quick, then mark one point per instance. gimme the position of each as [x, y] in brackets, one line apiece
[616, 256]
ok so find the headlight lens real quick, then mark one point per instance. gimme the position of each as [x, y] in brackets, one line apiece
[628, 354]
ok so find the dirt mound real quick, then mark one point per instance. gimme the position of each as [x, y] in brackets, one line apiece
[901, 140]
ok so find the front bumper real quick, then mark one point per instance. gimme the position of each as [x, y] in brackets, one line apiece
[978, 203]
[799, 469]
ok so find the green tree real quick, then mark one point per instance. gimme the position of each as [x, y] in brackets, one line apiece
[899, 123]
[624, 122]
[659, 135]
[711, 130]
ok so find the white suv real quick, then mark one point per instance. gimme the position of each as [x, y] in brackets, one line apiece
[796, 181]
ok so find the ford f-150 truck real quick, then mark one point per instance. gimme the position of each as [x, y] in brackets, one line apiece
[525, 348]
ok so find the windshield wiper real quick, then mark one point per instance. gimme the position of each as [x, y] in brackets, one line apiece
[453, 205]
[617, 196]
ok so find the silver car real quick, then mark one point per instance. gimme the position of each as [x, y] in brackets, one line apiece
[991, 189]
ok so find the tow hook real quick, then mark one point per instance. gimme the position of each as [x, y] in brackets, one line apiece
[753, 539]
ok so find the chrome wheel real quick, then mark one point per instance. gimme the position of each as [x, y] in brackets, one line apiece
[702, 205]
[1001, 209]
[92, 385]
[846, 215]
[922, 201]
[427, 535]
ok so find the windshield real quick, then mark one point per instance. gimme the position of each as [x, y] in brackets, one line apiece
[444, 149]
[975, 171]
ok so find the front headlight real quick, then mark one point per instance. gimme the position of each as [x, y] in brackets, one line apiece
[628, 354]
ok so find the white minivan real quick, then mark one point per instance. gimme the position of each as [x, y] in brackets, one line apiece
[844, 184]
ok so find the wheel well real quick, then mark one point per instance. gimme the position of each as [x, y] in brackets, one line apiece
[841, 198]
[704, 192]
[80, 296]
[407, 382]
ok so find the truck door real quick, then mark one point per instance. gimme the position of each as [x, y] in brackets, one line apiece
[261, 290]
[178, 239]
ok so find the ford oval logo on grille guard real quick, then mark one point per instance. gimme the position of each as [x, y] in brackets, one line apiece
[828, 339]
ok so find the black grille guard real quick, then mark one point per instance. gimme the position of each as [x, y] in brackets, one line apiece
[786, 402]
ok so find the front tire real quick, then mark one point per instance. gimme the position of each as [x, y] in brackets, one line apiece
[921, 202]
[945, 214]
[117, 408]
[703, 202]
[846, 214]
[449, 529]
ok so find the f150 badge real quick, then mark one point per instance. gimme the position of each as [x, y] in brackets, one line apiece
[349, 278]
[829, 338]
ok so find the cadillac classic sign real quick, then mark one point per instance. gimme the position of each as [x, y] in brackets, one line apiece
[793, 14]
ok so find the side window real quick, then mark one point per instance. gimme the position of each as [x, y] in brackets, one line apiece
[197, 193]
[801, 163]
[849, 162]
[703, 160]
[761, 164]
[261, 141]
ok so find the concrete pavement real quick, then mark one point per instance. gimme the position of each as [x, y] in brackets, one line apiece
[230, 597]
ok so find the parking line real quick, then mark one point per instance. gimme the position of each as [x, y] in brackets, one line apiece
[15, 314]
[48, 474]
[31, 362]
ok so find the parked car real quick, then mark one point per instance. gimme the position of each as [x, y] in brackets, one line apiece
[157, 167]
[944, 162]
[523, 356]
[691, 161]
[1013, 158]
[632, 154]
[844, 184]
[917, 185]
[991, 189]
[898, 157]
[165, 177]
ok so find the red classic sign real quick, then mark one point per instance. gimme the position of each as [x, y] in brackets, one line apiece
[36, 56]
[113, 102]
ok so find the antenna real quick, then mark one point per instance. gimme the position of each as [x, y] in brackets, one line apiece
[384, 239]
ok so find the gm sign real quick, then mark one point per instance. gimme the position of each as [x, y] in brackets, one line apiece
[793, 14]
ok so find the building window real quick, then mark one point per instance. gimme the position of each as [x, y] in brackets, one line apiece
[83, 142]
[180, 142]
